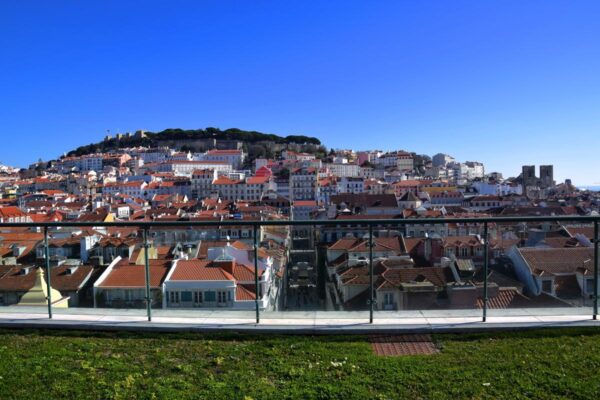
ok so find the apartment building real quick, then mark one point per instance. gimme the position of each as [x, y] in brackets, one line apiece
[303, 184]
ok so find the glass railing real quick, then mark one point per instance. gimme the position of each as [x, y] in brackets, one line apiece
[344, 269]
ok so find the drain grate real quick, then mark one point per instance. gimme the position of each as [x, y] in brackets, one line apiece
[402, 345]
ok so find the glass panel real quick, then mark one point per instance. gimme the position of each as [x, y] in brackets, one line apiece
[541, 269]
[304, 272]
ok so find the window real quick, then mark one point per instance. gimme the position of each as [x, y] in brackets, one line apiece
[388, 298]
[186, 296]
[198, 297]
[174, 297]
[210, 296]
[464, 251]
[222, 296]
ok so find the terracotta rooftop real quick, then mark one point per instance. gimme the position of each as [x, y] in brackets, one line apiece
[126, 275]
[512, 298]
[557, 261]
[12, 279]
[202, 270]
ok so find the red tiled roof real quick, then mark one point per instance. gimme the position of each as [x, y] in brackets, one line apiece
[305, 203]
[585, 230]
[12, 280]
[343, 244]
[11, 212]
[361, 245]
[241, 245]
[201, 270]
[223, 180]
[128, 275]
[512, 298]
[557, 261]
[198, 270]
[461, 241]
[436, 275]
[243, 294]
[254, 180]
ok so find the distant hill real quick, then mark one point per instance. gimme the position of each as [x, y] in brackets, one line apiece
[190, 139]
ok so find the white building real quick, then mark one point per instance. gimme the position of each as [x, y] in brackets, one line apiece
[251, 188]
[282, 187]
[233, 157]
[292, 155]
[133, 189]
[188, 167]
[398, 159]
[221, 283]
[442, 160]
[90, 162]
[303, 184]
[343, 170]
[497, 189]
[351, 185]
[151, 156]
[464, 172]
[202, 183]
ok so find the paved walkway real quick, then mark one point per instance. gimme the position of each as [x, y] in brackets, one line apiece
[311, 322]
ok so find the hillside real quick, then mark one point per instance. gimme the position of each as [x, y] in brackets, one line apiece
[192, 140]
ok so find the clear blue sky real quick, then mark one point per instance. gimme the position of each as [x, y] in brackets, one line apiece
[503, 82]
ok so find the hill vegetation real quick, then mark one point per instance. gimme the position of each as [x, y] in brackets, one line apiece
[193, 137]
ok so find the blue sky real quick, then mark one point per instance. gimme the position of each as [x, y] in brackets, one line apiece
[502, 82]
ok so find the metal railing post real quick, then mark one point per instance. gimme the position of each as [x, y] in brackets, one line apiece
[371, 297]
[47, 262]
[147, 272]
[595, 270]
[485, 269]
[257, 291]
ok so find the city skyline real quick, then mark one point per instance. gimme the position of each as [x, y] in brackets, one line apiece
[507, 86]
[299, 199]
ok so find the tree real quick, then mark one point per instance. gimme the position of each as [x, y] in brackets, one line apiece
[153, 139]
[256, 151]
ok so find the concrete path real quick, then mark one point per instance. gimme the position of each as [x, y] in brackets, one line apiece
[309, 322]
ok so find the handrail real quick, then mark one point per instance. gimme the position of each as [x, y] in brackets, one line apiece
[335, 222]
[145, 226]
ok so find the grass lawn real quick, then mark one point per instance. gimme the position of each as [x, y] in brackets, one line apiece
[535, 364]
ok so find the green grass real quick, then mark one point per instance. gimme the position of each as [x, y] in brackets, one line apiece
[534, 364]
